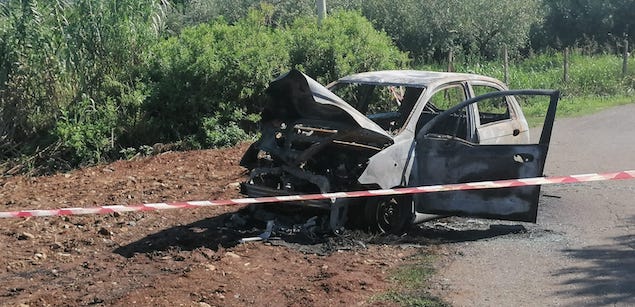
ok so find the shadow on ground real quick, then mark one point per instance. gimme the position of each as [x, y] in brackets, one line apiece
[213, 233]
[608, 272]
[466, 233]
[226, 231]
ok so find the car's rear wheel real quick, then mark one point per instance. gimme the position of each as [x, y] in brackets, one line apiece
[392, 214]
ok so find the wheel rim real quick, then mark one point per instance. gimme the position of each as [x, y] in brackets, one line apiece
[388, 213]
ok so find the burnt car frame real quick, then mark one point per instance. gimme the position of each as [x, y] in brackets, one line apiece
[402, 128]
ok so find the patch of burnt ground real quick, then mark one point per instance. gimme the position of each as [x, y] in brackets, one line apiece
[300, 232]
[305, 233]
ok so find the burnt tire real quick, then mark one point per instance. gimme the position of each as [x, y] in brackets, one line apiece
[389, 214]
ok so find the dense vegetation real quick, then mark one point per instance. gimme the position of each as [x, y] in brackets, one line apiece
[426, 29]
[595, 25]
[89, 80]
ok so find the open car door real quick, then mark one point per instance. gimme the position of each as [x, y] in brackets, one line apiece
[446, 159]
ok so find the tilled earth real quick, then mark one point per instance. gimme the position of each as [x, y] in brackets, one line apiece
[176, 257]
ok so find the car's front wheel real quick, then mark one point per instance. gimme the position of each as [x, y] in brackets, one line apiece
[393, 214]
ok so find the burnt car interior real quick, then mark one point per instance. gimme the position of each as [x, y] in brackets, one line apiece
[491, 109]
[498, 113]
[390, 106]
[456, 124]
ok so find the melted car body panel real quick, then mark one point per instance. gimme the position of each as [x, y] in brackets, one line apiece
[302, 97]
[390, 167]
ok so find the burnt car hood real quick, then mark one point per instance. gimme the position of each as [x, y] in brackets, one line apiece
[302, 118]
[295, 95]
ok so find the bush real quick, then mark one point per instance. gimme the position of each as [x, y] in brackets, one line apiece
[426, 29]
[212, 71]
[345, 43]
[210, 79]
[98, 77]
[217, 134]
[85, 130]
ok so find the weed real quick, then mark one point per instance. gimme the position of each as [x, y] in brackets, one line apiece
[410, 283]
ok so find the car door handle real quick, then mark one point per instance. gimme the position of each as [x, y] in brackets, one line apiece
[516, 132]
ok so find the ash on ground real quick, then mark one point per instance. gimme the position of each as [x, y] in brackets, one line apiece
[305, 232]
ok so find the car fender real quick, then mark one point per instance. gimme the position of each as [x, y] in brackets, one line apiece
[391, 167]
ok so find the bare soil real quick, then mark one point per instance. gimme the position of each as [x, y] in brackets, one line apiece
[173, 257]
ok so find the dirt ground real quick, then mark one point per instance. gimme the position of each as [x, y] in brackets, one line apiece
[172, 258]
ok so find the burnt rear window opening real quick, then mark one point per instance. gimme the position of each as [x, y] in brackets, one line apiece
[386, 105]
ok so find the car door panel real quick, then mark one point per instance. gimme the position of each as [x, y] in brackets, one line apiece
[502, 132]
[446, 159]
[442, 160]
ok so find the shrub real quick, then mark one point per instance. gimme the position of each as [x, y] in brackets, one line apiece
[426, 29]
[211, 77]
[85, 130]
[211, 71]
[345, 43]
[218, 133]
[70, 70]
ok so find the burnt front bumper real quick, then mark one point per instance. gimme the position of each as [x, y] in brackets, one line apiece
[254, 190]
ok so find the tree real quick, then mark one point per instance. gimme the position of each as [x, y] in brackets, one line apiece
[429, 29]
[598, 24]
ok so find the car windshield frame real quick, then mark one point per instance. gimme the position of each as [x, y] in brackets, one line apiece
[393, 116]
[334, 87]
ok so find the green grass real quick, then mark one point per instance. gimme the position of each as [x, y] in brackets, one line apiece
[598, 75]
[573, 106]
[410, 282]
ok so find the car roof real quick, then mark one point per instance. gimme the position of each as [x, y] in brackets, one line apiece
[411, 78]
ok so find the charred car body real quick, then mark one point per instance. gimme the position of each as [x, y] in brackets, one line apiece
[390, 129]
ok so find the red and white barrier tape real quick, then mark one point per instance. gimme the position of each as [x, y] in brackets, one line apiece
[274, 199]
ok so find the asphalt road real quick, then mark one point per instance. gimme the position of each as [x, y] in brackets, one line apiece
[582, 250]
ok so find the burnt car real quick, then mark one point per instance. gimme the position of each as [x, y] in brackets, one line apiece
[388, 129]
